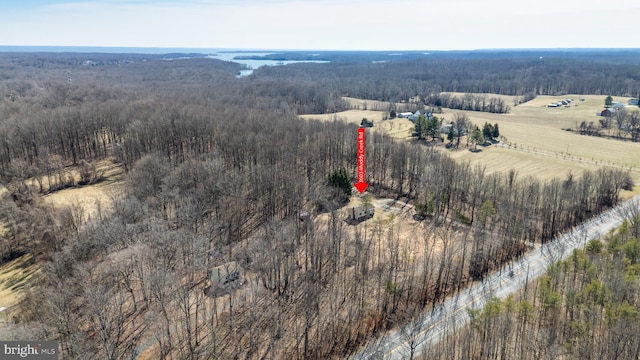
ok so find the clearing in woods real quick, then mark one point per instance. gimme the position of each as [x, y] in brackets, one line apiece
[89, 199]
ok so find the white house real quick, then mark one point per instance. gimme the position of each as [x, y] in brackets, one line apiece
[414, 117]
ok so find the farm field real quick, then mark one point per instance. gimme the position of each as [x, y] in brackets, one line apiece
[538, 145]
[536, 140]
[397, 128]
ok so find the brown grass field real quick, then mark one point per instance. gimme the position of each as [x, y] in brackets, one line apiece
[397, 128]
[13, 276]
[538, 144]
[90, 199]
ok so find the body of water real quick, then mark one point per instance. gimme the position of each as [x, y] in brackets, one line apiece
[220, 54]
[254, 64]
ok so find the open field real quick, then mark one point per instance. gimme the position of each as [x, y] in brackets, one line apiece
[397, 128]
[539, 146]
[367, 104]
[13, 276]
[536, 143]
[92, 198]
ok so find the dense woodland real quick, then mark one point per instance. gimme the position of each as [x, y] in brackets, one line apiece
[525, 75]
[218, 170]
[585, 307]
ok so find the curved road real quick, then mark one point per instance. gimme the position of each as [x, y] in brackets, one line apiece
[429, 327]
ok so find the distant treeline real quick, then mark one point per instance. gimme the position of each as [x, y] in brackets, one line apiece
[522, 76]
[609, 56]
[472, 102]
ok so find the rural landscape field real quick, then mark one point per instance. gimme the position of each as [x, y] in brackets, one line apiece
[538, 140]
[171, 206]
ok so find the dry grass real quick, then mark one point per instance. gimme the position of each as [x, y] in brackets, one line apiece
[92, 198]
[397, 128]
[350, 116]
[13, 276]
[540, 146]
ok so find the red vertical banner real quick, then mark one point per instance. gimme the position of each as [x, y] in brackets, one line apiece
[361, 185]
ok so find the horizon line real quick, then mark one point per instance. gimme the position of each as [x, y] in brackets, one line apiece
[86, 48]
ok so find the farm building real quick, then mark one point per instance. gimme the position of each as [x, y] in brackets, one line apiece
[608, 112]
[417, 114]
[405, 114]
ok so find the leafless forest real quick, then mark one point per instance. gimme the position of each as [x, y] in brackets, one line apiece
[218, 171]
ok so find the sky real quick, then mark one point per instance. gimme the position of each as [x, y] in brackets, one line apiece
[322, 24]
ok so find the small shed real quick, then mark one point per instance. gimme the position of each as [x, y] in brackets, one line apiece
[360, 213]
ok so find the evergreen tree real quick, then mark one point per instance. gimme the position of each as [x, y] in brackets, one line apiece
[496, 131]
[608, 101]
[421, 126]
[450, 134]
[433, 126]
[340, 179]
[487, 130]
[477, 137]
